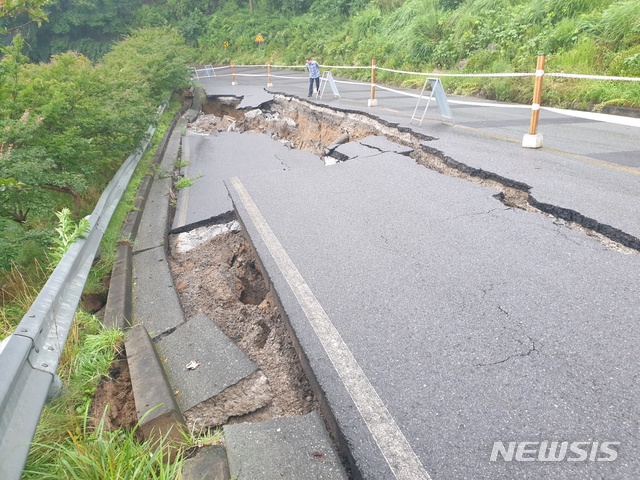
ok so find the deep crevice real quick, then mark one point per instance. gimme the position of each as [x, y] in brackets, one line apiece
[308, 126]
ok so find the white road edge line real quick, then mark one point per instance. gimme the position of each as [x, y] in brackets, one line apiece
[184, 201]
[395, 448]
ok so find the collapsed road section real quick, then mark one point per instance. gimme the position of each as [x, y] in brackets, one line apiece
[434, 319]
[336, 136]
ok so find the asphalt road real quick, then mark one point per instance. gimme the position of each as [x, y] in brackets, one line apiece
[438, 321]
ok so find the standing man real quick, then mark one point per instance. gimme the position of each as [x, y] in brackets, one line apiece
[314, 75]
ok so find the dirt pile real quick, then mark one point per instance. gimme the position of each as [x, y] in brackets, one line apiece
[220, 278]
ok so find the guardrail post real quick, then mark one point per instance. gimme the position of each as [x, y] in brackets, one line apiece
[372, 101]
[269, 84]
[233, 74]
[533, 139]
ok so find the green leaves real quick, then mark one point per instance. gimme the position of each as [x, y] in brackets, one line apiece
[6, 183]
[67, 232]
[31, 8]
[67, 125]
[154, 57]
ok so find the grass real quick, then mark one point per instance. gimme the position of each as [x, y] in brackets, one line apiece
[18, 290]
[98, 454]
[181, 163]
[186, 182]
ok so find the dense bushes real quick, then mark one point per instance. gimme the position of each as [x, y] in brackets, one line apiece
[66, 125]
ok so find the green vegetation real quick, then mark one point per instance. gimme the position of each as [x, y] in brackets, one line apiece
[186, 182]
[67, 233]
[464, 36]
[473, 36]
[65, 128]
[69, 444]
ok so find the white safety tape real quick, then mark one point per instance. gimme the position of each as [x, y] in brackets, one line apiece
[600, 117]
[476, 75]
[345, 68]
[592, 77]
[434, 74]
[209, 69]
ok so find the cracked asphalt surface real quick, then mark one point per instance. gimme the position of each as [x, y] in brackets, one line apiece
[473, 322]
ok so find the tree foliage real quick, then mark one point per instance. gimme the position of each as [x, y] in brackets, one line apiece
[31, 9]
[158, 56]
[66, 126]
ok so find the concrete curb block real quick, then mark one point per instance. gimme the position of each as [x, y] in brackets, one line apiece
[132, 221]
[156, 405]
[287, 448]
[119, 306]
[209, 463]
[157, 409]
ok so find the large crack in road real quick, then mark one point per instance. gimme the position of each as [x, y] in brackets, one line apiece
[307, 126]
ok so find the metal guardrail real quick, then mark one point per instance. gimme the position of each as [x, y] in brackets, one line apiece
[30, 356]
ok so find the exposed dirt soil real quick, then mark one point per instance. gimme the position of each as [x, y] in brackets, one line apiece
[115, 394]
[220, 279]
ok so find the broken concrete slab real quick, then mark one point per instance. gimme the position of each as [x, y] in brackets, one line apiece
[210, 372]
[247, 396]
[254, 98]
[185, 241]
[351, 150]
[209, 463]
[155, 300]
[288, 448]
[300, 158]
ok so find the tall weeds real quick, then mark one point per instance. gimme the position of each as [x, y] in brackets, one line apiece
[18, 289]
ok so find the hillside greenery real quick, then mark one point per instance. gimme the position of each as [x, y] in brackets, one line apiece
[467, 36]
[66, 126]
